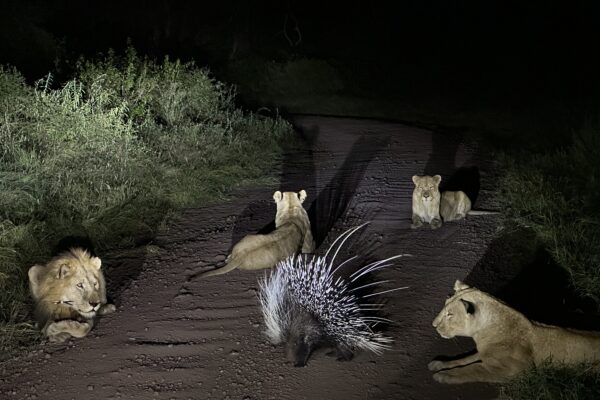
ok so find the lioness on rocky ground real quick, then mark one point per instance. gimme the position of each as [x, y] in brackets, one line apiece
[68, 292]
[292, 235]
[507, 343]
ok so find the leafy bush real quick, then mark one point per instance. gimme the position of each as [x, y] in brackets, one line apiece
[108, 155]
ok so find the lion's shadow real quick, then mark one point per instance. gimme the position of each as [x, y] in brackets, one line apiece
[299, 172]
[531, 282]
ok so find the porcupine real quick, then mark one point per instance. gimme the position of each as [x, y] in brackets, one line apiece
[306, 308]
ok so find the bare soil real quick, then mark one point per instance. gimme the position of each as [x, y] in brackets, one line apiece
[172, 339]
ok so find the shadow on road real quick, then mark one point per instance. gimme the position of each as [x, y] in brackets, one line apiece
[442, 161]
[524, 276]
[299, 172]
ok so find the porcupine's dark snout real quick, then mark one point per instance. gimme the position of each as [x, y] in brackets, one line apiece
[298, 353]
[305, 334]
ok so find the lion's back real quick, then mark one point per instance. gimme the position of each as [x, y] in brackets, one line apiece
[264, 251]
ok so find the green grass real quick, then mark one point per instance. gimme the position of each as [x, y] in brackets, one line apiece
[557, 193]
[556, 383]
[108, 155]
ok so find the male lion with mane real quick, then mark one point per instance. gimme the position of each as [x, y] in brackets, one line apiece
[69, 291]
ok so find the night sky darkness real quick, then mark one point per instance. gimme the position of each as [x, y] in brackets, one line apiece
[515, 53]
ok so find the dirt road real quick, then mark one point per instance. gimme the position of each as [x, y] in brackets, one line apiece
[203, 340]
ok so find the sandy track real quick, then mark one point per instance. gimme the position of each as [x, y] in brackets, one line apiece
[203, 340]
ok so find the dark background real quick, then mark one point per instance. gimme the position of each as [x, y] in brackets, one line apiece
[520, 56]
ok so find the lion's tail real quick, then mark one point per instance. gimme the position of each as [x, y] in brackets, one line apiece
[230, 266]
[482, 212]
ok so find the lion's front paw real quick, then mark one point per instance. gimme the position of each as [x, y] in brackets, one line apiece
[443, 377]
[107, 309]
[436, 223]
[416, 222]
[453, 376]
[436, 365]
[79, 329]
[56, 331]
[59, 337]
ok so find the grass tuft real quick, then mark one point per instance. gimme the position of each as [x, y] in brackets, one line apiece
[581, 382]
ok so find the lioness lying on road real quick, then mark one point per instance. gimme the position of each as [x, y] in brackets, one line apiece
[507, 342]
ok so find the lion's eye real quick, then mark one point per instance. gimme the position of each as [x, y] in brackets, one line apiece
[80, 285]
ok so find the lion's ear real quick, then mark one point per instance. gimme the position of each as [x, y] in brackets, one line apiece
[63, 271]
[460, 285]
[34, 275]
[415, 179]
[302, 195]
[277, 196]
[96, 262]
[469, 306]
[437, 179]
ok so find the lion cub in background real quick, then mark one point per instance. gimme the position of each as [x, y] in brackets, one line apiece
[291, 236]
[69, 291]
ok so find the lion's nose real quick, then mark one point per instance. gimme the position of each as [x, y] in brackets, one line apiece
[93, 304]
[426, 195]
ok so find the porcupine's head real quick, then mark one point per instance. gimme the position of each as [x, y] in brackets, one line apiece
[303, 336]
[305, 308]
[287, 322]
